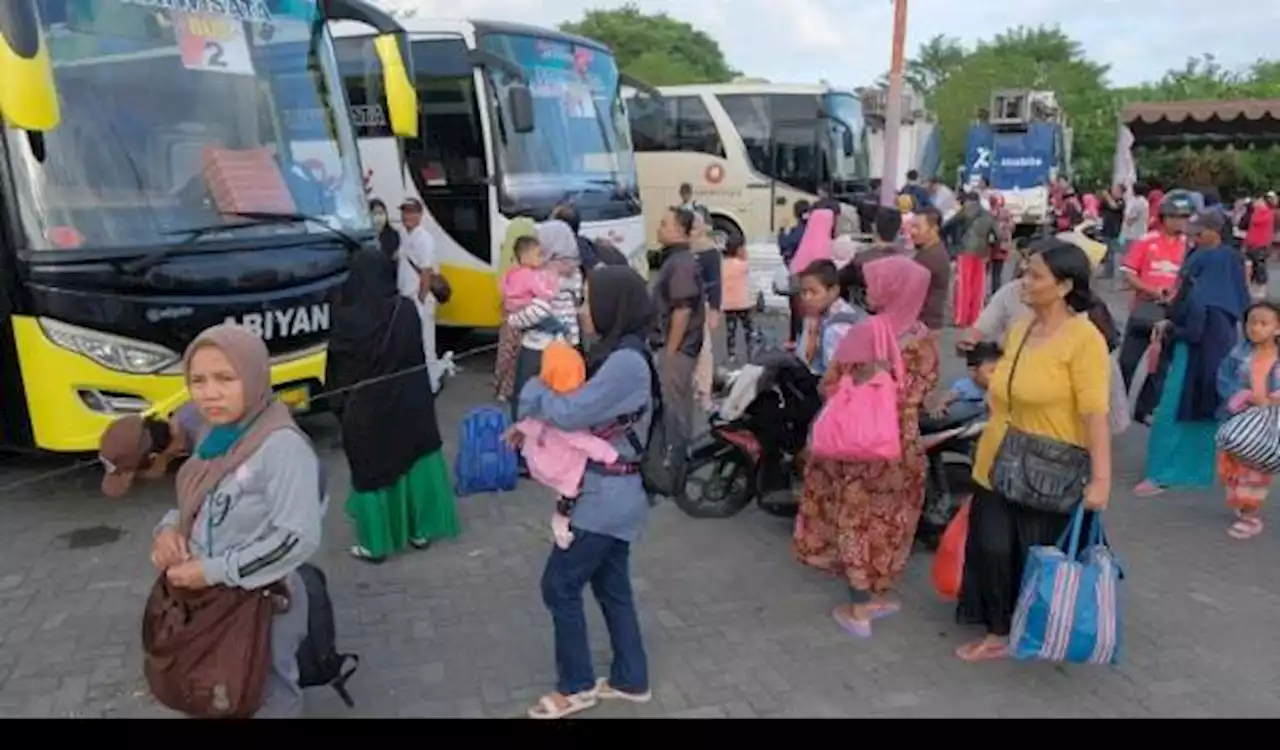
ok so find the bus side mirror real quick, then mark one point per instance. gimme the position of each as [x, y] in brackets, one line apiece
[28, 94]
[520, 108]
[402, 97]
[846, 142]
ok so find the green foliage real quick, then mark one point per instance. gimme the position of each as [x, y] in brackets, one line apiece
[655, 48]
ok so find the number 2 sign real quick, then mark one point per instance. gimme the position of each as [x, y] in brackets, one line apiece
[212, 43]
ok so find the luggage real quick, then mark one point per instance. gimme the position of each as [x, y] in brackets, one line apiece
[485, 463]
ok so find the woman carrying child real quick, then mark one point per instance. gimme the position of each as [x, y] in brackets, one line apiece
[612, 508]
[546, 319]
[1248, 378]
[735, 297]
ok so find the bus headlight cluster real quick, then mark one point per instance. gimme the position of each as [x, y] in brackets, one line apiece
[112, 352]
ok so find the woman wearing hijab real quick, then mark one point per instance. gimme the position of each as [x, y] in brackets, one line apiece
[615, 403]
[1201, 330]
[816, 243]
[388, 237]
[401, 492]
[560, 255]
[250, 499]
[707, 252]
[504, 368]
[858, 520]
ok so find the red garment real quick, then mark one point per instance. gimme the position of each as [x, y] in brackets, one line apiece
[1262, 227]
[971, 282]
[1154, 199]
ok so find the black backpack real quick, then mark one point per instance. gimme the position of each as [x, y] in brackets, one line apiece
[319, 662]
[663, 456]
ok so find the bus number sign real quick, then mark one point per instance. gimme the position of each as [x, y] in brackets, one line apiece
[213, 44]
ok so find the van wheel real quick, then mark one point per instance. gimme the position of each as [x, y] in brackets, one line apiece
[718, 483]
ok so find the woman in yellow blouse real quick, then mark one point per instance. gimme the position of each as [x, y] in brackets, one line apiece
[1060, 390]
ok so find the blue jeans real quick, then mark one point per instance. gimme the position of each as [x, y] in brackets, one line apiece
[603, 562]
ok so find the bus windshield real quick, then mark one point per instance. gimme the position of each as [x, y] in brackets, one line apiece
[176, 116]
[581, 141]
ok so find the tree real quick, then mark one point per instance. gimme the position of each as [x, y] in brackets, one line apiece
[655, 48]
[937, 59]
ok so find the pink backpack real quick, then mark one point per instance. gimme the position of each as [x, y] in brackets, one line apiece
[859, 421]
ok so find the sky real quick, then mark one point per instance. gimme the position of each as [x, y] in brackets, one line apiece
[847, 42]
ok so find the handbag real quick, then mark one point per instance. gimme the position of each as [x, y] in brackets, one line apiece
[1034, 471]
[859, 422]
[948, 561]
[1068, 606]
[1145, 316]
[1253, 437]
[207, 652]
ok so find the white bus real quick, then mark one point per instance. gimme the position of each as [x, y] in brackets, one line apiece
[749, 150]
[514, 120]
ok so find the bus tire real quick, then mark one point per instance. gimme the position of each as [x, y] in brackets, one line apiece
[724, 225]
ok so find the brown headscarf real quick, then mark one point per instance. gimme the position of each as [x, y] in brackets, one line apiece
[263, 415]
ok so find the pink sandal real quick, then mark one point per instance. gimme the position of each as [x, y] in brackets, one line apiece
[1246, 527]
[1147, 488]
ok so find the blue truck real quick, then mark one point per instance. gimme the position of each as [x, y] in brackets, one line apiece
[1021, 147]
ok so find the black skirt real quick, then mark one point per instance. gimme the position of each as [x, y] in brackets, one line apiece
[1000, 536]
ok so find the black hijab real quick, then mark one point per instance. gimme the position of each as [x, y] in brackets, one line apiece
[622, 312]
[388, 424]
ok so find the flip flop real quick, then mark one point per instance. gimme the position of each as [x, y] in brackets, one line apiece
[977, 651]
[888, 609]
[855, 628]
[547, 708]
[1245, 528]
[1147, 488]
[606, 692]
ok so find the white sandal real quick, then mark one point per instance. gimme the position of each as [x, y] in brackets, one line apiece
[606, 692]
[547, 708]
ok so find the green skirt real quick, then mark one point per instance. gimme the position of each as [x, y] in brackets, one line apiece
[418, 507]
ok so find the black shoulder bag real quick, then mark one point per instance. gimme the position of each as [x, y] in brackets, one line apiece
[1034, 471]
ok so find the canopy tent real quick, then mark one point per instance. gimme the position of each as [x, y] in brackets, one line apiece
[1242, 123]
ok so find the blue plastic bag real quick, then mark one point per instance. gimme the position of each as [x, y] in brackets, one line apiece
[1069, 604]
[485, 463]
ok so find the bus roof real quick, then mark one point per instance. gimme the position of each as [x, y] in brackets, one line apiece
[751, 87]
[468, 28]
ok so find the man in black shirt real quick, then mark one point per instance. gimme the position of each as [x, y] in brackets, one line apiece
[1112, 211]
[681, 302]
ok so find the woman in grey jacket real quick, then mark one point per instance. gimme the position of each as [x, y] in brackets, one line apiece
[250, 501]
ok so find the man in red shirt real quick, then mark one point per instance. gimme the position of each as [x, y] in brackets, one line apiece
[1259, 234]
[1151, 269]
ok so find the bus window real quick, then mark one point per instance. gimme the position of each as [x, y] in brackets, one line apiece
[695, 131]
[798, 138]
[651, 129]
[452, 149]
[751, 116]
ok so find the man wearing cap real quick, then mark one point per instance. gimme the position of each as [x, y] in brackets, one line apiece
[417, 269]
[134, 445]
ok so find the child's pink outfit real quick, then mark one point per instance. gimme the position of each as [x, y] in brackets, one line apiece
[522, 285]
[558, 459]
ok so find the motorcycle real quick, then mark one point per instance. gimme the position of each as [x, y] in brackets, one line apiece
[754, 455]
[949, 442]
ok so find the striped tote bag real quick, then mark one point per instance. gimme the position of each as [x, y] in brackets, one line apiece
[1069, 606]
[1253, 436]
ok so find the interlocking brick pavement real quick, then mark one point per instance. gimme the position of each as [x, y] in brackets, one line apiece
[733, 627]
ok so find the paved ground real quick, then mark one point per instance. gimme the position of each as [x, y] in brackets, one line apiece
[734, 628]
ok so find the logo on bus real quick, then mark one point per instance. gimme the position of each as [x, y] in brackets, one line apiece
[714, 174]
[286, 323]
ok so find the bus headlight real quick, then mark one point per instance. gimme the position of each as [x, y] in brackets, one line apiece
[112, 352]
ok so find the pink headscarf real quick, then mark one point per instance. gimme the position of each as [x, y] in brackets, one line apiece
[815, 244]
[1092, 206]
[897, 286]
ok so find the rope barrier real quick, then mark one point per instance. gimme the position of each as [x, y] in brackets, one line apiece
[449, 370]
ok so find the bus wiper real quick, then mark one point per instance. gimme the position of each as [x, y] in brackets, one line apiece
[151, 260]
[266, 217]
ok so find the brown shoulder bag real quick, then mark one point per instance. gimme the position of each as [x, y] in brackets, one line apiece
[208, 651]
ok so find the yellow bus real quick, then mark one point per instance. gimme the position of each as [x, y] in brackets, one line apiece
[161, 172]
[515, 119]
[749, 150]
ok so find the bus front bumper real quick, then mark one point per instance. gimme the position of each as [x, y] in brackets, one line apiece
[71, 399]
